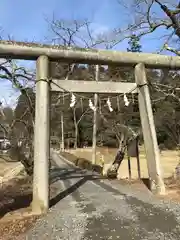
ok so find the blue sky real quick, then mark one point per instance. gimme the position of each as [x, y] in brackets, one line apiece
[25, 20]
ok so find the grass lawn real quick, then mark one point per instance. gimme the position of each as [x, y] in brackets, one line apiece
[169, 160]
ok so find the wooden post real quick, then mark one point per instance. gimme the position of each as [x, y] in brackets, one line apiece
[40, 203]
[95, 120]
[149, 132]
[62, 131]
[129, 168]
[138, 167]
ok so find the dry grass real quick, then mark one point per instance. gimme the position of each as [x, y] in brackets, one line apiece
[15, 198]
[169, 160]
[15, 210]
[6, 166]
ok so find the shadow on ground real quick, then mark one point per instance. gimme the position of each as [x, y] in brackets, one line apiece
[66, 174]
[18, 195]
[146, 182]
[15, 195]
[85, 164]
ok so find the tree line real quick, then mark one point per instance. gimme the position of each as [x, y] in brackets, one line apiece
[113, 127]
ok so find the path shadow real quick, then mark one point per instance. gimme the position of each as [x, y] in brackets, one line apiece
[67, 174]
[146, 182]
[67, 192]
[58, 173]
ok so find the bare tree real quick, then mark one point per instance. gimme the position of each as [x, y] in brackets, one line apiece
[77, 34]
[76, 124]
[19, 78]
[149, 16]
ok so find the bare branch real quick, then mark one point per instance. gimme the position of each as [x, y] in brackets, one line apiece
[172, 16]
[147, 20]
[177, 52]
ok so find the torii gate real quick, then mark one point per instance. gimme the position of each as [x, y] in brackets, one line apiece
[45, 53]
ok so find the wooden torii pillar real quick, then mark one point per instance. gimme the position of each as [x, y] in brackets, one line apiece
[149, 132]
[40, 203]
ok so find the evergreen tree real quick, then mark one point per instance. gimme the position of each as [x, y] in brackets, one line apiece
[134, 44]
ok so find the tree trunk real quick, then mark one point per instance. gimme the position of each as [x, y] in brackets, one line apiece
[76, 136]
[76, 129]
[121, 141]
[62, 131]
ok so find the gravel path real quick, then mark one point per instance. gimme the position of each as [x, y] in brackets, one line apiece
[90, 208]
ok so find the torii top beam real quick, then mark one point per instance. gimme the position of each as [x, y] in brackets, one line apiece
[31, 51]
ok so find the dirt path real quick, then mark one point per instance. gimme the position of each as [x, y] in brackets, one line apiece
[90, 208]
